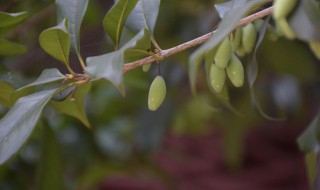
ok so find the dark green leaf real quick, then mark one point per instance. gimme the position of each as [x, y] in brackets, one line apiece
[74, 10]
[8, 19]
[115, 19]
[75, 106]
[49, 171]
[225, 27]
[11, 48]
[305, 20]
[18, 123]
[144, 15]
[309, 140]
[56, 42]
[5, 92]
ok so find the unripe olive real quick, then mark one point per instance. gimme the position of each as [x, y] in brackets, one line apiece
[235, 71]
[285, 28]
[241, 52]
[249, 37]
[315, 47]
[258, 23]
[282, 8]
[223, 54]
[146, 67]
[157, 93]
[236, 39]
[217, 77]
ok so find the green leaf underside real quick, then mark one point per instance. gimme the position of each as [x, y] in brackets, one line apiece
[115, 19]
[309, 140]
[223, 8]
[109, 66]
[144, 15]
[18, 123]
[74, 10]
[225, 27]
[50, 169]
[9, 19]
[11, 48]
[47, 76]
[75, 108]
[5, 92]
[56, 42]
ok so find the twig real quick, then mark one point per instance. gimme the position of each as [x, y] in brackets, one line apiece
[168, 52]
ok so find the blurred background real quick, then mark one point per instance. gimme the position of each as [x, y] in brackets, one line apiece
[191, 142]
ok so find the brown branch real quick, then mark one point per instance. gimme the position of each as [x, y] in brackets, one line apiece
[168, 52]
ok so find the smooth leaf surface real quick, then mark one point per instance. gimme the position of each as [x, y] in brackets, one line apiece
[56, 41]
[225, 27]
[76, 107]
[74, 10]
[115, 19]
[11, 48]
[305, 20]
[17, 125]
[144, 15]
[47, 76]
[309, 140]
[5, 92]
[8, 19]
[50, 169]
[223, 8]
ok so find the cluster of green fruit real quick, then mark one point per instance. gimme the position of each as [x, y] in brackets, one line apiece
[226, 62]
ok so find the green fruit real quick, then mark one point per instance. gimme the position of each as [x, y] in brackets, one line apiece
[285, 29]
[157, 93]
[146, 67]
[282, 8]
[217, 77]
[223, 54]
[315, 47]
[236, 39]
[249, 37]
[235, 71]
[258, 23]
[241, 52]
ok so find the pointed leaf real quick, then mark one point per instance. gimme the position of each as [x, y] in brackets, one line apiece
[49, 171]
[56, 41]
[47, 76]
[225, 27]
[74, 10]
[115, 19]
[144, 15]
[76, 107]
[5, 92]
[309, 140]
[18, 123]
[8, 19]
[11, 48]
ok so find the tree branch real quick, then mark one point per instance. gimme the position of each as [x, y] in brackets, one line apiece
[169, 52]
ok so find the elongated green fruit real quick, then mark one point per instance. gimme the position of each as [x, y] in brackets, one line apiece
[223, 54]
[258, 23]
[157, 93]
[235, 71]
[285, 28]
[282, 8]
[315, 47]
[146, 67]
[241, 52]
[236, 40]
[249, 37]
[217, 77]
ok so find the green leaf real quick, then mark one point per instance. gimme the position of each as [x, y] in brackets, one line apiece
[311, 166]
[223, 8]
[56, 42]
[144, 15]
[225, 27]
[11, 48]
[47, 76]
[74, 10]
[17, 125]
[305, 20]
[76, 107]
[115, 19]
[109, 66]
[5, 92]
[8, 19]
[49, 171]
[309, 140]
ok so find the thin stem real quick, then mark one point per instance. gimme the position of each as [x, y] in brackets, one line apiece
[169, 52]
[83, 65]
[155, 56]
